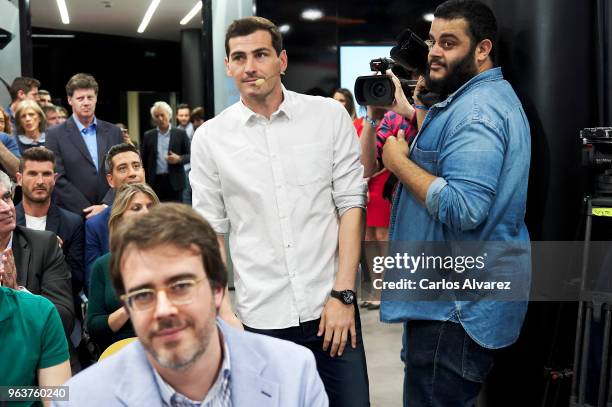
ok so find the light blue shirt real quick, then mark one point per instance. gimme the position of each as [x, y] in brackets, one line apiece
[89, 135]
[477, 143]
[163, 144]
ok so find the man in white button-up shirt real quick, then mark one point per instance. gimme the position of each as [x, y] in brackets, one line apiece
[280, 172]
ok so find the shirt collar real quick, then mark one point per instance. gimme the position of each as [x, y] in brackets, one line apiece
[167, 392]
[80, 126]
[245, 114]
[488, 75]
[28, 141]
[164, 134]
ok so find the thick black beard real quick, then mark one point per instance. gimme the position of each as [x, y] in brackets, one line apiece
[458, 74]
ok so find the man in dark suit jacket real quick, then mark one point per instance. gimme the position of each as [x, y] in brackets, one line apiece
[80, 144]
[164, 151]
[36, 176]
[33, 259]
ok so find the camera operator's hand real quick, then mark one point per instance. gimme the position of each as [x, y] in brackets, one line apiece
[400, 105]
[395, 150]
[421, 111]
[418, 89]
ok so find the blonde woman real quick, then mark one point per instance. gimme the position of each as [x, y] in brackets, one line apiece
[107, 319]
[31, 123]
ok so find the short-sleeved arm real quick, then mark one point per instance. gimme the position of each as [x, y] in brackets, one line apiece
[53, 340]
[206, 185]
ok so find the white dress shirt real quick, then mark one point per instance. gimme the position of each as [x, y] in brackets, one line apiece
[278, 187]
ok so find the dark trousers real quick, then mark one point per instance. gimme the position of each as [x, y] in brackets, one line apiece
[346, 377]
[444, 367]
[164, 189]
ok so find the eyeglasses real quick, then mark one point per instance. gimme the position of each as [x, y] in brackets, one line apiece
[179, 293]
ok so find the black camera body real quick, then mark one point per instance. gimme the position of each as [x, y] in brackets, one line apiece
[597, 156]
[410, 54]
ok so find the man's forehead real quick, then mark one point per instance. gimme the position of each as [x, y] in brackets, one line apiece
[455, 26]
[30, 164]
[126, 156]
[246, 43]
[149, 261]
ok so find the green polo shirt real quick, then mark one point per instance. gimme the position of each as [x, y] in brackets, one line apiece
[31, 337]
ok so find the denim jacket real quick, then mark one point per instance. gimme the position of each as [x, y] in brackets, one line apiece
[477, 144]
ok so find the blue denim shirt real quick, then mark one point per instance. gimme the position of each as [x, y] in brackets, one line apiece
[477, 142]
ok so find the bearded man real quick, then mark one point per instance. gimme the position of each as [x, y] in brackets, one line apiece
[463, 179]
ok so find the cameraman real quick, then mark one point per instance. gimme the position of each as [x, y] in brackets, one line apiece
[464, 180]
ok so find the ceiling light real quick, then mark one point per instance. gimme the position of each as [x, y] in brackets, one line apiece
[284, 29]
[429, 17]
[63, 10]
[192, 13]
[147, 17]
[312, 14]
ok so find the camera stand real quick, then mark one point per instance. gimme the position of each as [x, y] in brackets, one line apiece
[590, 309]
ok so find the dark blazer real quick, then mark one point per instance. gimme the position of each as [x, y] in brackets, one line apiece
[69, 227]
[96, 240]
[179, 144]
[79, 184]
[42, 270]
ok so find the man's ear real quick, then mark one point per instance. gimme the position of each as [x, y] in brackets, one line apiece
[284, 61]
[19, 177]
[109, 179]
[227, 69]
[483, 50]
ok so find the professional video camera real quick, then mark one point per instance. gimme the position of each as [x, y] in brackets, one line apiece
[597, 155]
[410, 54]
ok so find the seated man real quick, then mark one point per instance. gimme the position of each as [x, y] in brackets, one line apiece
[123, 166]
[35, 258]
[37, 179]
[167, 268]
[33, 348]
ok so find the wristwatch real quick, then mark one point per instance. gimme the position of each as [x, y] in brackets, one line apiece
[347, 297]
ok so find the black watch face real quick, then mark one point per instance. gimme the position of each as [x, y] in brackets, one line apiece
[348, 297]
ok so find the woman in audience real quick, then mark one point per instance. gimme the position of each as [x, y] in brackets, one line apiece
[107, 320]
[62, 114]
[5, 122]
[31, 123]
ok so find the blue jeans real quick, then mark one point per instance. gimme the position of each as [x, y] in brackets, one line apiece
[444, 367]
[346, 377]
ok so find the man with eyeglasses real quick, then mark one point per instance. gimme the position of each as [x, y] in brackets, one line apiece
[123, 166]
[167, 269]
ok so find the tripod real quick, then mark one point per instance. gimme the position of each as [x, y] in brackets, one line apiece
[590, 309]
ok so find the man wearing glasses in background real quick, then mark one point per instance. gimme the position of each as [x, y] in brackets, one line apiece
[167, 268]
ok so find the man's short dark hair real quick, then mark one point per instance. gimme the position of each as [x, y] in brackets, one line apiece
[183, 106]
[22, 83]
[38, 154]
[49, 107]
[81, 81]
[197, 114]
[113, 151]
[480, 18]
[168, 224]
[248, 25]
